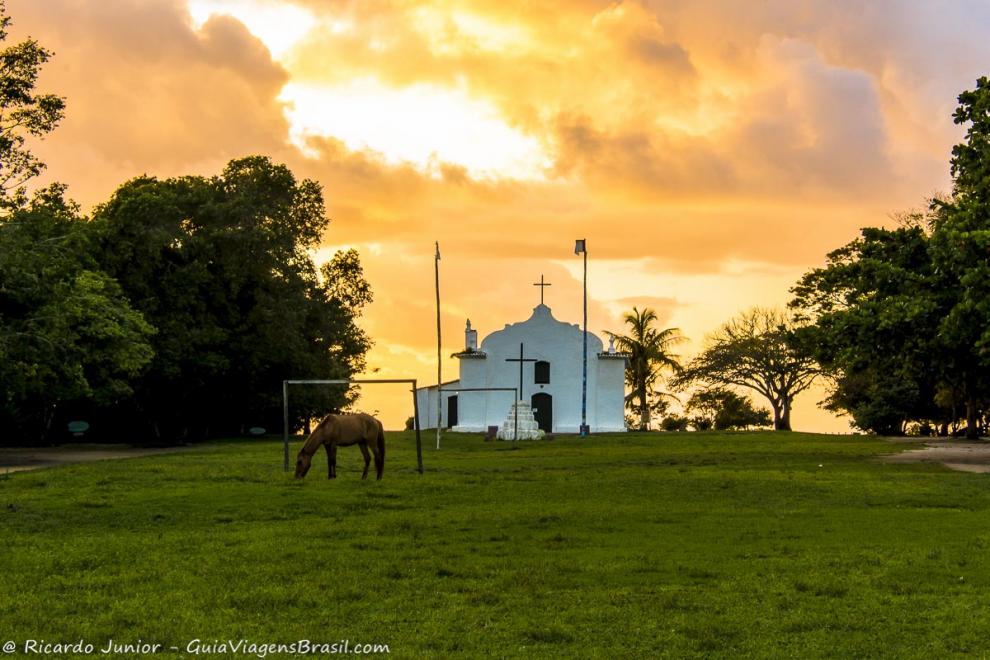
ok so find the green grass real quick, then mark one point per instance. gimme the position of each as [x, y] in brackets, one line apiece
[621, 546]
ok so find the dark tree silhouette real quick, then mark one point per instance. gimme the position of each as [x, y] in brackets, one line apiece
[23, 114]
[755, 351]
[221, 267]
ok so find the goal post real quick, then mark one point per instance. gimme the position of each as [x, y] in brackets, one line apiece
[346, 381]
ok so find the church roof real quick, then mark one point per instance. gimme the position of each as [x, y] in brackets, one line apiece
[433, 387]
[543, 323]
[470, 354]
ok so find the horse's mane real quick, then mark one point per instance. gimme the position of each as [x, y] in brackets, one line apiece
[314, 440]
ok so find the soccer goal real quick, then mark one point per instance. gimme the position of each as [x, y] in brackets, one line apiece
[285, 409]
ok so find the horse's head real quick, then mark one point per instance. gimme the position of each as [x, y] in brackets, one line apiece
[303, 461]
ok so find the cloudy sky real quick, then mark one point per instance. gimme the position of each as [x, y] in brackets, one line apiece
[710, 151]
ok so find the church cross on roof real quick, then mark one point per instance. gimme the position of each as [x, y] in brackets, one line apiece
[542, 285]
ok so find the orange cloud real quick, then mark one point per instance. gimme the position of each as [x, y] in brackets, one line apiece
[147, 93]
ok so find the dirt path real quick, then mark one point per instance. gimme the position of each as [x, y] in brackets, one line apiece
[963, 456]
[21, 459]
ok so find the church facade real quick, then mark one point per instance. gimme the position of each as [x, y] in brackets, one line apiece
[549, 353]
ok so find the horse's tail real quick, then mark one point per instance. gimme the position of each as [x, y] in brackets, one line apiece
[380, 467]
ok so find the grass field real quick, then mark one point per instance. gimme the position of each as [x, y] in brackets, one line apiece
[619, 546]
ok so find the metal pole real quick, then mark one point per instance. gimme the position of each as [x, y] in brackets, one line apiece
[419, 442]
[515, 418]
[436, 272]
[285, 423]
[584, 354]
[515, 423]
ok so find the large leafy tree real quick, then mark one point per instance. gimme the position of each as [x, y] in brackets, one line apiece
[180, 308]
[23, 114]
[650, 355]
[68, 336]
[755, 350]
[874, 312]
[901, 318]
[222, 267]
[961, 253]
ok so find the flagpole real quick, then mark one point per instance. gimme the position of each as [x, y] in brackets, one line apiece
[581, 247]
[584, 353]
[436, 273]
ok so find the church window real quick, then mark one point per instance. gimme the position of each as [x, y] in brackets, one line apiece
[542, 372]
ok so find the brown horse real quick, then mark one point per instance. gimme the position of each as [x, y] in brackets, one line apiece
[344, 430]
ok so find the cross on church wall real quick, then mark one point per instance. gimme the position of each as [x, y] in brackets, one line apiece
[520, 360]
[542, 285]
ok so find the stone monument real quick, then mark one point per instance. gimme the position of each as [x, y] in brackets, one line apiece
[520, 419]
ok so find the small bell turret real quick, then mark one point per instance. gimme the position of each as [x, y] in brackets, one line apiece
[470, 338]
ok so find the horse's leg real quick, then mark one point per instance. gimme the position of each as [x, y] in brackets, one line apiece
[367, 458]
[331, 460]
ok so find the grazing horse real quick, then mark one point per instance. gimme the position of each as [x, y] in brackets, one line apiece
[344, 430]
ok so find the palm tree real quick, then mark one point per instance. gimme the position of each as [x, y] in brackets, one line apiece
[650, 355]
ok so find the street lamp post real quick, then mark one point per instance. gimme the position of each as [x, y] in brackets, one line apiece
[581, 248]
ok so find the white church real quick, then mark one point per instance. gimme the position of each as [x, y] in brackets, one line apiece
[549, 352]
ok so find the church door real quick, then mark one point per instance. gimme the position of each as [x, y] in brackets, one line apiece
[452, 411]
[543, 410]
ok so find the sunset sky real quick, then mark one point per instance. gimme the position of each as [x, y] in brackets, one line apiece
[710, 151]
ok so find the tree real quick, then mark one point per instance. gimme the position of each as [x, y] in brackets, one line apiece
[901, 318]
[674, 422]
[650, 355]
[68, 336]
[874, 312]
[221, 266]
[343, 294]
[23, 114]
[724, 410]
[960, 248]
[757, 351]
